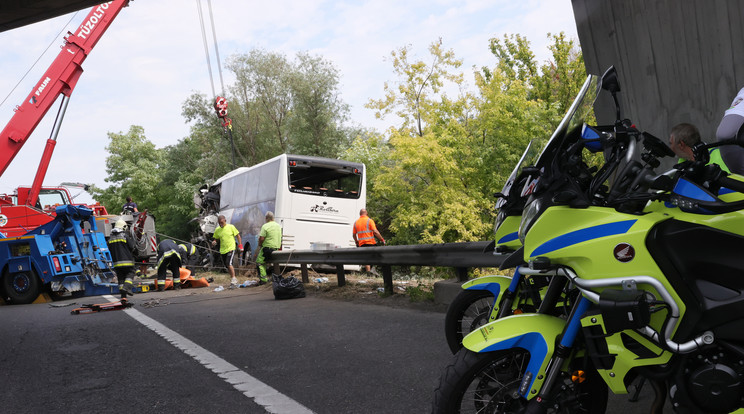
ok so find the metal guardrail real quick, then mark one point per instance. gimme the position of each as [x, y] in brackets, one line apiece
[460, 256]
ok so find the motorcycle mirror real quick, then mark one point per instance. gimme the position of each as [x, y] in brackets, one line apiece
[610, 82]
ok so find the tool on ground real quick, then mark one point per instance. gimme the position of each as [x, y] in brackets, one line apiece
[102, 307]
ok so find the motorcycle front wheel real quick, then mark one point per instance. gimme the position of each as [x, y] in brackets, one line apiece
[489, 383]
[469, 311]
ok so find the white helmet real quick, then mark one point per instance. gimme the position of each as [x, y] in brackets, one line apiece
[120, 224]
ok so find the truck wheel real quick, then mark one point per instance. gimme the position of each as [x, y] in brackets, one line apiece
[22, 287]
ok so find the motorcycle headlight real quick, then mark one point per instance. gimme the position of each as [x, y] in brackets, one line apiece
[530, 213]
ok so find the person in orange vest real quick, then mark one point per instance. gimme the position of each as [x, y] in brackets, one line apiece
[365, 232]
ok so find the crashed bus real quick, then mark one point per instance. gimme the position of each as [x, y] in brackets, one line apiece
[315, 200]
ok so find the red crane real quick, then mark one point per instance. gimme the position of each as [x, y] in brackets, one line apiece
[59, 79]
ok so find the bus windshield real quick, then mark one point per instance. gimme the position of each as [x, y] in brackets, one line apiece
[323, 178]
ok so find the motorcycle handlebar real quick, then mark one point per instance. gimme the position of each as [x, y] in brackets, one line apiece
[735, 185]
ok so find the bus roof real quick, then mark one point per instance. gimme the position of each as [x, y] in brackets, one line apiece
[318, 160]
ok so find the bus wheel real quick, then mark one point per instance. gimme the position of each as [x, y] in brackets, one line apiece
[21, 287]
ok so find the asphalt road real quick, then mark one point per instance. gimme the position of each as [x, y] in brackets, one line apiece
[202, 352]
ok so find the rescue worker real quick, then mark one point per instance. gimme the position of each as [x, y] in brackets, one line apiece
[682, 139]
[732, 121]
[685, 137]
[130, 207]
[226, 234]
[365, 231]
[269, 239]
[190, 256]
[121, 247]
[169, 258]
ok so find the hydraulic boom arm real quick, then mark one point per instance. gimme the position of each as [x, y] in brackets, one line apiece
[59, 79]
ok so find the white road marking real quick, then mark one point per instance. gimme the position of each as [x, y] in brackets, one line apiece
[269, 398]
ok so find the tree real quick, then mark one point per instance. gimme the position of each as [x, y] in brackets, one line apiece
[562, 77]
[264, 78]
[132, 168]
[285, 106]
[418, 85]
[557, 81]
[371, 149]
[516, 60]
[161, 181]
[318, 112]
[453, 152]
[426, 182]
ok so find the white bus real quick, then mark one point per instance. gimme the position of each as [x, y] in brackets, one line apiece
[315, 200]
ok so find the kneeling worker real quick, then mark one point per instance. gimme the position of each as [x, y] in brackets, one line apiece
[189, 256]
[121, 246]
[169, 258]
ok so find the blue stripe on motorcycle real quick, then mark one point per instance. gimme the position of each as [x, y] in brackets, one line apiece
[725, 190]
[509, 237]
[580, 236]
[533, 342]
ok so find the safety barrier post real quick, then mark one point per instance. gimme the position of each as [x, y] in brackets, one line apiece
[387, 279]
[341, 276]
[303, 270]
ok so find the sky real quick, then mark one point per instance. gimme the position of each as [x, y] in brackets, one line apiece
[152, 58]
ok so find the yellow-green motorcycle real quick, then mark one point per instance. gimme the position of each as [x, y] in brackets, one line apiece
[650, 281]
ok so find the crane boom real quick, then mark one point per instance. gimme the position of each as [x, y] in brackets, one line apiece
[59, 79]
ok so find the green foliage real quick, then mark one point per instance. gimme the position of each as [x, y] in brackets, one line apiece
[420, 293]
[411, 99]
[452, 153]
[158, 180]
[133, 170]
[281, 106]
[371, 149]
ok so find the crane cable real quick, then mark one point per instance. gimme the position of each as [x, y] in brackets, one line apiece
[206, 46]
[227, 123]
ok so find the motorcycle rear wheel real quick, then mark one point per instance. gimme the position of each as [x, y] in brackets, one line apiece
[489, 383]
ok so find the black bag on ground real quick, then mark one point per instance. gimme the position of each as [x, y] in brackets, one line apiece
[287, 288]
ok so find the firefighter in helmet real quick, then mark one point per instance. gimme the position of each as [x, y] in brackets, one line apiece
[121, 246]
[169, 258]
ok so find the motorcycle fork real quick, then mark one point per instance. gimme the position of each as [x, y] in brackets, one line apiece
[562, 352]
[510, 293]
[553, 294]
